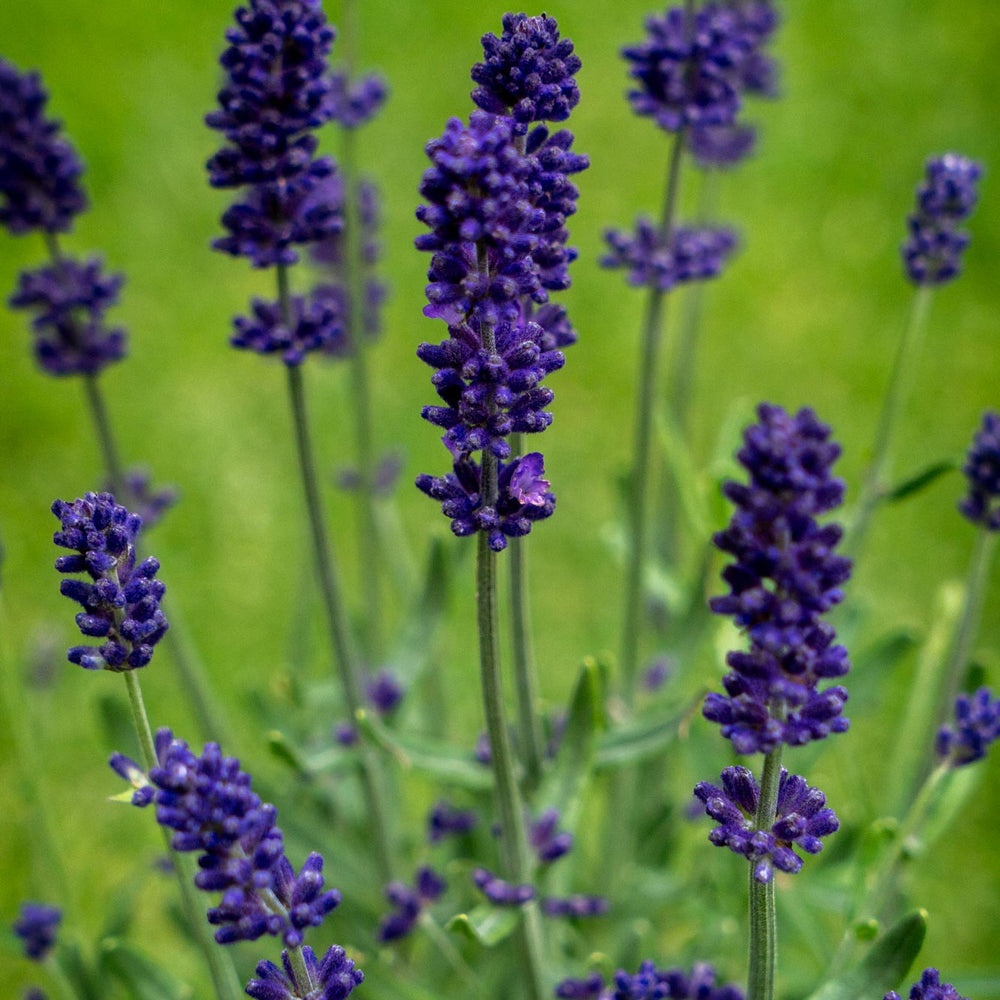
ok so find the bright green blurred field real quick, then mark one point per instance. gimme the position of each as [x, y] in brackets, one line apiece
[808, 314]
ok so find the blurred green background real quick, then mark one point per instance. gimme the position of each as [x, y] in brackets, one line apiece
[809, 313]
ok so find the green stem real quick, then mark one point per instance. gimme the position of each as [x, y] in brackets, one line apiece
[105, 437]
[763, 919]
[900, 382]
[641, 449]
[227, 986]
[513, 840]
[338, 629]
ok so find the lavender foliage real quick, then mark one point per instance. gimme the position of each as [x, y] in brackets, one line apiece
[36, 926]
[331, 978]
[801, 820]
[784, 577]
[122, 604]
[976, 726]
[982, 470]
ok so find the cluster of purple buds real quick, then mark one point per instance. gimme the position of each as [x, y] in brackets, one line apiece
[982, 469]
[578, 906]
[500, 892]
[545, 838]
[39, 170]
[36, 926]
[445, 820]
[331, 978]
[314, 324]
[801, 820]
[122, 604]
[932, 253]
[209, 804]
[784, 577]
[977, 725]
[354, 103]
[930, 987]
[408, 903]
[384, 692]
[650, 983]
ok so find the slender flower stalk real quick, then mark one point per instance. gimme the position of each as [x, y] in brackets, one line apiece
[763, 942]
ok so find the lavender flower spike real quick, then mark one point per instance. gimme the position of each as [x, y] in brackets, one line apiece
[784, 577]
[930, 987]
[122, 605]
[982, 469]
[651, 983]
[977, 725]
[36, 927]
[801, 820]
[500, 892]
[332, 978]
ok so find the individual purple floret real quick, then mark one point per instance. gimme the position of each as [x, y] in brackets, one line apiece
[332, 978]
[384, 691]
[982, 469]
[785, 575]
[500, 892]
[278, 91]
[524, 498]
[932, 254]
[548, 843]
[650, 983]
[36, 926]
[977, 725]
[346, 734]
[69, 299]
[39, 170]
[930, 987]
[801, 820]
[316, 326]
[122, 605]
[408, 903]
[577, 905]
[528, 72]
[721, 146]
[354, 103]
[209, 803]
[444, 820]
[690, 255]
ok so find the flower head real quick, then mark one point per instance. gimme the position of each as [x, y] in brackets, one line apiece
[356, 102]
[444, 820]
[384, 691]
[545, 838]
[122, 604]
[39, 170]
[977, 725]
[500, 892]
[408, 903]
[930, 987]
[316, 325]
[721, 146]
[982, 469]
[801, 820]
[650, 983]
[784, 577]
[331, 978]
[36, 926]
[932, 253]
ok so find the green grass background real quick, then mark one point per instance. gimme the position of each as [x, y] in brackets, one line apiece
[808, 314]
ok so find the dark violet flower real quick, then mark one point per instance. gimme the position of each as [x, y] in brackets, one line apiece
[39, 170]
[650, 983]
[721, 146]
[690, 254]
[209, 804]
[977, 725]
[548, 843]
[932, 253]
[930, 987]
[982, 469]
[524, 498]
[316, 326]
[36, 926]
[500, 892]
[332, 978]
[578, 906]
[528, 72]
[122, 605]
[784, 577]
[444, 820]
[801, 820]
[384, 691]
[356, 102]
[68, 299]
[278, 91]
[346, 734]
[408, 903]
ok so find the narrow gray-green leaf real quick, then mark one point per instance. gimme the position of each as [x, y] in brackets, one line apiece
[486, 925]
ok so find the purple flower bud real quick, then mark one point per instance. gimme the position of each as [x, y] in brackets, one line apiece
[650, 983]
[36, 926]
[977, 725]
[384, 692]
[930, 987]
[500, 892]
[333, 978]
[982, 469]
[409, 903]
[354, 103]
[577, 906]
[444, 820]
[315, 326]
[546, 840]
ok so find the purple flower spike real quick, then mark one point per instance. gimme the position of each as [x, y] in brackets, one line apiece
[801, 820]
[546, 840]
[982, 469]
[932, 254]
[651, 983]
[977, 725]
[39, 170]
[721, 146]
[528, 72]
[784, 577]
[316, 326]
[122, 605]
[444, 820]
[333, 978]
[69, 299]
[36, 926]
[354, 103]
[690, 254]
[502, 893]
[930, 987]
[408, 903]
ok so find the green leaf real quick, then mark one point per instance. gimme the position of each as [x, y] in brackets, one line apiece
[883, 967]
[418, 753]
[920, 481]
[142, 978]
[486, 925]
[70, 961]
[640, 740]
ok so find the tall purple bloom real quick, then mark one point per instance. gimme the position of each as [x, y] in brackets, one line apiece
[784, 577]
[36, 926]
[932, 253]
[122, 604]
[982, 470]
[331, 978]
[930, 987]
[39, 170]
